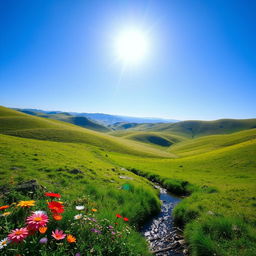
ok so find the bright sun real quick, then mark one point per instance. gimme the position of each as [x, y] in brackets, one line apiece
[131, 46]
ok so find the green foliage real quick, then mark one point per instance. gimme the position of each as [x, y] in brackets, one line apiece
[96, 233]
[216, 171]
[221, 236]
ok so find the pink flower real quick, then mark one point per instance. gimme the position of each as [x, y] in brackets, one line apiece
[58, 234]
[18, 235]
[37, 220]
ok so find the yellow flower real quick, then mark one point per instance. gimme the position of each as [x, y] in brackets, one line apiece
[26, 203]
[6, 213]
[94, 210]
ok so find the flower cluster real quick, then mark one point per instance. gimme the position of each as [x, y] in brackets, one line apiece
[120, 217]
[41, 226]
[37, 222]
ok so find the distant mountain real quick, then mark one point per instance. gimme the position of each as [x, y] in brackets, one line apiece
[112, 119]
[104, 119]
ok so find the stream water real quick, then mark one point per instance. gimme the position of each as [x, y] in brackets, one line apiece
[160, 232]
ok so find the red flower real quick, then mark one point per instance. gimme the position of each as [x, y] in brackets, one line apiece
[56, 207]
[52, 195]
[126, 219]
[4, 207]
[119, 216]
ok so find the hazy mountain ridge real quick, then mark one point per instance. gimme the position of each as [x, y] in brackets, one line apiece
[105, 119]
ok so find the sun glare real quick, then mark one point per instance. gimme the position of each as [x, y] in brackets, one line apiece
[131, 46]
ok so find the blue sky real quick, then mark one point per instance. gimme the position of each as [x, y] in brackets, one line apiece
[60, 55]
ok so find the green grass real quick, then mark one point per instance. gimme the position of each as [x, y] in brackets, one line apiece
[51, 164]
[27, 126]
[208, 143]
[76, 120]
[193, 129]
[152, 138]
[221, 183]
[216, 173]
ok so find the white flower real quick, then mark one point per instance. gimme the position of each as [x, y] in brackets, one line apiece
[40, 212]
[78, 216]
[80, 207]
[4, 243]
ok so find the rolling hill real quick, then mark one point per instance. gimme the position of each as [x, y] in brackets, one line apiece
[23, 125]
[193, 129]
[205, 144]
[66, 117]
[213, 162]
[153, 138]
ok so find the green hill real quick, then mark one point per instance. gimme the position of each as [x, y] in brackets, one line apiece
[22, 125]
[153, 138]
[208, 143]
[192, 129]
[212, 162]
[66, 117]
[219, 216]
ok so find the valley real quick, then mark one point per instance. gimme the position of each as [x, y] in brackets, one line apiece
[211, 163]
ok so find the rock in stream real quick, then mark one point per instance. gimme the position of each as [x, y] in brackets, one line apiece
[163, 237]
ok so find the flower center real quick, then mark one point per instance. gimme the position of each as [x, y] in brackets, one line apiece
[37, 219]
[18, 233]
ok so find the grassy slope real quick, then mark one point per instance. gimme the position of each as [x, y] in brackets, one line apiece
[192, 129]
[153, 138]
[76, 120]
[51, 164]
[232, 171]
[23, 125]
[212, 142]
[229, 166]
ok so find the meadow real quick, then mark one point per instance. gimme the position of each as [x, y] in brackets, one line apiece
[111, 173]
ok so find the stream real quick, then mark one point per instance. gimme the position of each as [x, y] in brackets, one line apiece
[163, 237]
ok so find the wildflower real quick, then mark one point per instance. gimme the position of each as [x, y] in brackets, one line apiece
[125, 219]
[71, 239]
[4, 243]
[78, 216]
[94, 230]
[4, 207]
[58, 234]
[52, 195]
[57, 216]
[94, 210]
[42, 230]
[77, 254]
[56, 207]
[113, 233]
[6, 214]
[43, 240]
[39, 212]
[110, 227]
[26, 203]
[18, 235]
[35, 221]
[119, 216]
[80, 207]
